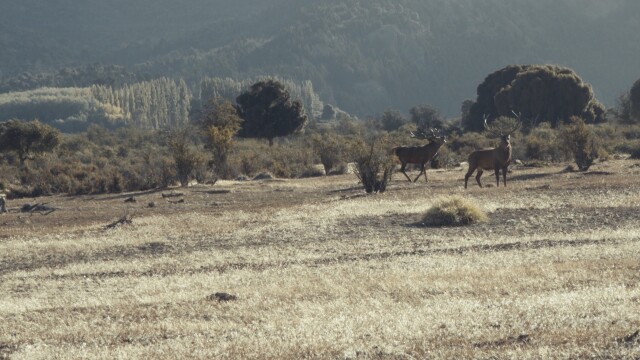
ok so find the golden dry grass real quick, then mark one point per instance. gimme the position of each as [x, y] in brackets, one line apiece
[454, 211]
[323, 272]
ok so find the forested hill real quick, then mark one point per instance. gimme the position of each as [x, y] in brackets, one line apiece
[363, 56]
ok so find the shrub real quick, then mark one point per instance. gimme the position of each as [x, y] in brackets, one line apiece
[329, 148]
[634, 151]
[375, 167]
[579, 140]
[444, 159]
[313, 171]
[186, 158]
[219, 125]
[453, 211]
[542, 144]
[467, 143]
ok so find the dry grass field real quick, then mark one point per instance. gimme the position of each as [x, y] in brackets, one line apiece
[320, 271]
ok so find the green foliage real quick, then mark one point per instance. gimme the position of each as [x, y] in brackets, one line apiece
[364, 56]
[330, 148]
[27, 139]
[153, 104]
[622, 111]
[542, 143]
[219, 124]
[537, 93]
[426, 116]
[392, 120]
[634, 151]
[454, 211]
[374, 165]
[579, 140]
[290, 161]
[466, 143]
[503, 125]
[82, 76]
[67, 108]
[186, 159]
[229, 89]
[268, 111]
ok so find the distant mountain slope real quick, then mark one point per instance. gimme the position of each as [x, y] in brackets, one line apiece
[363, 56]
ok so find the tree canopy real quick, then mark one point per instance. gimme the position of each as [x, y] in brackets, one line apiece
[219, 124]
[27, 139]
[426, 116]
[536, 93]
[268, 111]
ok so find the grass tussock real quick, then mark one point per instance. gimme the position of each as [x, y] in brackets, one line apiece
[454, 211]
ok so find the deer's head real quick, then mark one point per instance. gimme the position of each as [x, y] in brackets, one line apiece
[502, 130]
[432, 134]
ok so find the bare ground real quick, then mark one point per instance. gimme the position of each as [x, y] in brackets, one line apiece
[553, 273]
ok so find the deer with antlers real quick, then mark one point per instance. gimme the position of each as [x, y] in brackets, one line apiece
[420, 154]
[495, 158]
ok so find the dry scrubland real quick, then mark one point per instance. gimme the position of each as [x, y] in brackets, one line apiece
[322, 272]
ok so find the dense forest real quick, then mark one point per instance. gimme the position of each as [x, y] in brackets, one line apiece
[362, 56]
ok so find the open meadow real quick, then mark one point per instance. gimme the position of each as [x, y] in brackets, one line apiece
[316, 269]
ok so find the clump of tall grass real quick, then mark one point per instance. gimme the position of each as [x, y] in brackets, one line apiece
[454, 211]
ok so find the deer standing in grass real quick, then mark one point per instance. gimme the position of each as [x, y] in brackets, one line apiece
[419, 154]
[493, 159]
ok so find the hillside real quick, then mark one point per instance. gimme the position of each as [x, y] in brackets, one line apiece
[361, 56]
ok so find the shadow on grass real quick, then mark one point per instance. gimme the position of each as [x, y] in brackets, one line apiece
[529, 176]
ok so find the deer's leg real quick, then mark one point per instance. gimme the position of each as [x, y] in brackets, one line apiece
[467, 175]
[478, 175]
[497, 171]
[504, 175]
[422, 171]
[404, 165]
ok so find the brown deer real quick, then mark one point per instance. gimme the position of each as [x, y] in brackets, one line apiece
[419, 154]
[492, 159]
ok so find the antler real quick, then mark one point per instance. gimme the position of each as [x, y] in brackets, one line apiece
[517, 125]
[502, 129]
[490, 129]
[421, 133]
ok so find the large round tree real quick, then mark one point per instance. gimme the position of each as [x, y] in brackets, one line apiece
[537, 93]
[268, 111]
[27, 139]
